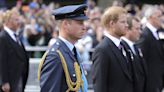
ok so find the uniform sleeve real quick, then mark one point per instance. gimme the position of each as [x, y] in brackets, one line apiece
[3, 62]
[51, 74]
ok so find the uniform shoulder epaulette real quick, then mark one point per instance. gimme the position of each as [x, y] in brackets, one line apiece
[55, 47]
[51, 50]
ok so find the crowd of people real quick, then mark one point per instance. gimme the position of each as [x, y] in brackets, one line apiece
[37, 23]
[122, 48]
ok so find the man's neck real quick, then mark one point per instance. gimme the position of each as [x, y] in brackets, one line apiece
[68, 39]
[152, 24]
[10, 27]
[128, 37]
[114, 35]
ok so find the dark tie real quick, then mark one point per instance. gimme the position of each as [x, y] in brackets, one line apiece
[75, 53]
[137, 50]
[158, 31]
[122, 49]
[17, 39]
[128, 58]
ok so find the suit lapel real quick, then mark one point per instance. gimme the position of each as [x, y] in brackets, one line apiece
[126, 45]
[18, 49]
[158, 47]
[120, 58]
[143, 62]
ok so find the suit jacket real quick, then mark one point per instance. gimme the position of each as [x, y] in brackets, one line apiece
[154, 57]
[161, 39]
[13, 61]
[52, 77]
[110, 69]
[139, 68]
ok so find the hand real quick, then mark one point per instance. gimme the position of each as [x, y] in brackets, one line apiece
[6, 87]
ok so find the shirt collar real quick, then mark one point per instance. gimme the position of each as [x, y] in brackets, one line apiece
[150, 26]
[10, 32]
[152, 29]
[128, 41]
[115, 40]
[69, 45]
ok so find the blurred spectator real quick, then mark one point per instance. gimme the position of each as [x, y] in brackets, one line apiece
[1, 20]
[162, 21]
[94, 29]
[117, 3]
[91, 4]
[53, 39]
[152, 50]
[133, 9]
[84, 46]
[14, 63]
[3, 4]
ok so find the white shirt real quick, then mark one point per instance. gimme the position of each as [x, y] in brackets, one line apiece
[11, 33]
[130, 43]
[115, 40]
[153, 30]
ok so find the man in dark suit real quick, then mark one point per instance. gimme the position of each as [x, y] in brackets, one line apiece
[13, 59]
[138, 64]
[62, 70]
[152, 50]
[110, 65]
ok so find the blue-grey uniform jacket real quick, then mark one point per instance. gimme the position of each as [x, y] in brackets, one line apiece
[52, 77]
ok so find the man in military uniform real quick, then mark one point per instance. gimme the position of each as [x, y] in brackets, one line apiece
[61, 70]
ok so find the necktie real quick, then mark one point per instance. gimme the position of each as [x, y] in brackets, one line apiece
[75, 53]
[122, 49]
[85, 83]
[157, 32]
[135, 49]
[17, 39]
[138, 51]
[128, 57]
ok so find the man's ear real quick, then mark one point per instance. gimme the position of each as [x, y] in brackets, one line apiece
[65, 23]
[111, 23]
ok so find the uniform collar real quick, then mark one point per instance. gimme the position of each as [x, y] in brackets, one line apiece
[68, 44]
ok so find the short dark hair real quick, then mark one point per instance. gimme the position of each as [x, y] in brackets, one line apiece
[130, 18]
